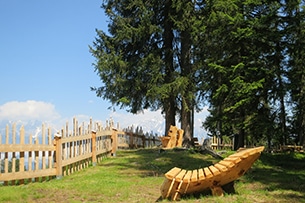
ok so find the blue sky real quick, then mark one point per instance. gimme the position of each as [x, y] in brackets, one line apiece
[46, 68]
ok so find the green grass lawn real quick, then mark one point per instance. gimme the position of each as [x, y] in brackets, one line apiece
[136, 176]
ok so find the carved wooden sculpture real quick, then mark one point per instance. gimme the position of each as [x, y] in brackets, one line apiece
[173, 139]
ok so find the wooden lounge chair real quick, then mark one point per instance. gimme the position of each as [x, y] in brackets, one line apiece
[179, 181]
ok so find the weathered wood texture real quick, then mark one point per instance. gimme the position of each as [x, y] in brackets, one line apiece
[173, 139]
[179, 181]
[24, 158]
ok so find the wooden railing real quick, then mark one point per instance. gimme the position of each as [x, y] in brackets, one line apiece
[57, 154]
[218, 144]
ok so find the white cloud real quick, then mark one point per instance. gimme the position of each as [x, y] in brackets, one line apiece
[34, 113]
[28, 110]
[148, 120]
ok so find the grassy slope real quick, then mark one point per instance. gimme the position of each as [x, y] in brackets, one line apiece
[136, 176]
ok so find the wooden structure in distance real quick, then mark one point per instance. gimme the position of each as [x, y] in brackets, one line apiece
[179, 181]
[173, 139]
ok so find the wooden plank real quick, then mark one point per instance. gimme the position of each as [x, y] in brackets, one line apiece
[187, 177]
[172, 173]
[255, 150]
[201, 174]
[76, 138]
[234, 160]
[228, 164]
[179, 180]
[242, 154]
[186, 182]
[214, 170]
[75, 159]
[5, 162]
[26, 147]
[27, 174]
[180, 175]
[220, 167]
[194, 177]
[21, 159]
[207, 172]
[166, 188]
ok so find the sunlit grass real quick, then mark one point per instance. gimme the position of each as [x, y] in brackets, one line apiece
[136, 176]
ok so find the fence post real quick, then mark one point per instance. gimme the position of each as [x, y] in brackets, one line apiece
[131, 138]
[143, 141]
[114, 138]
[58, 155]
[93, 148]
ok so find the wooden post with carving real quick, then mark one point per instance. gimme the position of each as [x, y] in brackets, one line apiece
[173, 139]
[179, 138]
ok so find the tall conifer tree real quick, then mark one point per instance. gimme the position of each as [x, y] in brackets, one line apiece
[146, 60]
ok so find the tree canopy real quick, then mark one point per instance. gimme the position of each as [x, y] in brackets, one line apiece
[242, 58]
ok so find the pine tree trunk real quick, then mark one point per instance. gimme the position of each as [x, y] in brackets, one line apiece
[169, 106]
[186, 103]
[186, 125]
[170, 115]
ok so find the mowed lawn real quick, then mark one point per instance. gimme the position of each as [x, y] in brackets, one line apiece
[136, 176]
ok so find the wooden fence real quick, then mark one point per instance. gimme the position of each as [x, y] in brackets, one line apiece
[219, 144]
[24, 158]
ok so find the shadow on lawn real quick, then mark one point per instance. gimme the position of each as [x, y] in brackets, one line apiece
[156, 162]
[283, 174]
[280, 172]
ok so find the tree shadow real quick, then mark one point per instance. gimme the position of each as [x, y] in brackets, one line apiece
[156, 162]
[280, 172]
[284, 172]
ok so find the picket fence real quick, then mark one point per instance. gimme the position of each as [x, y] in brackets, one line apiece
[24, 158]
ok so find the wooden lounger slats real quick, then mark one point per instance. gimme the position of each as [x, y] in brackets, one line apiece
[187, 177]
[201, 174]
[194, 177]
[207, 172]
[214, 170]
[179, 181]
[228, 164]
[180, 176]
[172, 173]
[235, 160]
[241, 155]
[221, 167]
